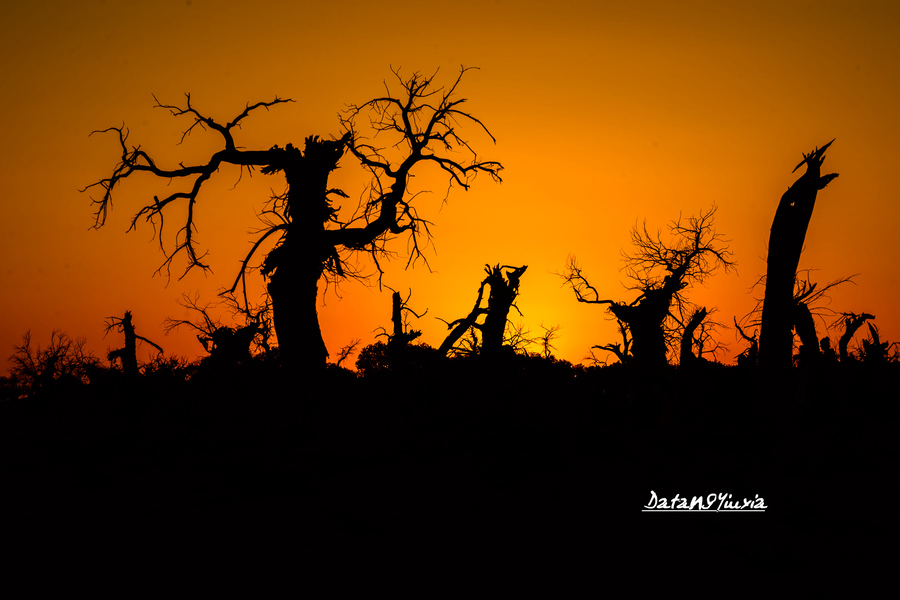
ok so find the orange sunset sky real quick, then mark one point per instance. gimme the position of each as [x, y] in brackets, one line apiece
[605, 114]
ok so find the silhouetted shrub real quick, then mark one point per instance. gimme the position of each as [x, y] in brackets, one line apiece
[381, 358]
[63, 362]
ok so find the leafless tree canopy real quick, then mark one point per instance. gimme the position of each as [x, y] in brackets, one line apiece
[35, 368]
[135, 160]
[414, 123]
[419, 123]
[661, 271]
[693, 253]
[234, 342]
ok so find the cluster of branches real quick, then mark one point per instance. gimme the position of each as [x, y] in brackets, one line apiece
[417, 125]
[811, 304]
[401, 333]
[661, 271]
[34, 369]
[232, 343]
[503, 283]
[136, 160]
[128, 353]
[390, 135]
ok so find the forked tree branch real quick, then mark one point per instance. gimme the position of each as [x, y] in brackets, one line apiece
[417, 131]
[135, 160]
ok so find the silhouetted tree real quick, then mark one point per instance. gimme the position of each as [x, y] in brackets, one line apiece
[701, 333]
[805, 326]
[346, 352]
[805, 296]
[785, 246]
[621, 351]
[397, 354]
[874, 351]
[852, 323]
[661, 272]
[546, 340]
[809, 301]
[401, 334]
[750, 356]
[64, 360]
[127, 354]
[418, 126]
[504, 287]
[687, 338]
[226, 345]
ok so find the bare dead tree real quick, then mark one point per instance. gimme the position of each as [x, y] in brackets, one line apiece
[708, 336]
[622, 352]
[749, 357]
[661, 272]
[35, 369]
[546, 340]
[703, 333]
[128, 353]
[418, 125]
[687, 338]
[503, 283]
[256, 318]
[517, 337]
[226, 345]
[397, 354]
[852, 322]
[203, 323]
[805, 324]
[875, 352]
[347, 351]
[785, 246]
[810, 302]
[401, 334]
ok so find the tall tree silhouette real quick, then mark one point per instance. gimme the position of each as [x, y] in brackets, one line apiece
[661, 272]
[419, 125]
[785, 246]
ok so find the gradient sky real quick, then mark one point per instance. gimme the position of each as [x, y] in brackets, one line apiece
[605, 114]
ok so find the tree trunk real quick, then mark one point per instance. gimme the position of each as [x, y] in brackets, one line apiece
[294, 289]
[128, 354]
[645, 322]
[806, 331]
[397, 320]
[296, 320]
[299, 262]
[499, 302]
[788, 233]
[687, 338]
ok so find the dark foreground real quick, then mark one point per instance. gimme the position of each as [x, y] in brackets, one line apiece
[530, 462]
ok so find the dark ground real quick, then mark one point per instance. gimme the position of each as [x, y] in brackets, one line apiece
[531, 464]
